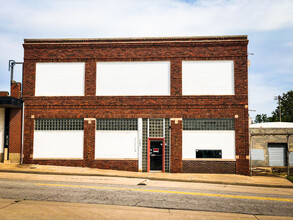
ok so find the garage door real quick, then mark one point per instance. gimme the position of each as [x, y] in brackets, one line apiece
[277, 154]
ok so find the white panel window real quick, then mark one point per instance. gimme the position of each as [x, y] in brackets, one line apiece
[58, 144]
[116, 144]
[2, 126]
[208, 140]
[257, 154]
[60, 79]
[208, 77]
[133, 78]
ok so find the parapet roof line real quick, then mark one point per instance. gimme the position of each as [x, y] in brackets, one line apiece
[143, 39]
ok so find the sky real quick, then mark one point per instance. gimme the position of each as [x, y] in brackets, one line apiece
[268, 24]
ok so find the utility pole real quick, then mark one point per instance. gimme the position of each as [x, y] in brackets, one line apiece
[288, 156]
[279, 102]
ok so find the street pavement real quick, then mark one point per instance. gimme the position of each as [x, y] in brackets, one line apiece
[136, 192]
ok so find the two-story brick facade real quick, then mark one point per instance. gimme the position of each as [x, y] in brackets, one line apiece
[138, 104]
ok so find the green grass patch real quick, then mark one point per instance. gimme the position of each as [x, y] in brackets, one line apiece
[290, 178]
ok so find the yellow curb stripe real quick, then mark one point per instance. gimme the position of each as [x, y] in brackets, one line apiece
[172, 192]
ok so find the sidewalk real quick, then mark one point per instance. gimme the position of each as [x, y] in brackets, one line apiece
[28, 209]
[230, 179]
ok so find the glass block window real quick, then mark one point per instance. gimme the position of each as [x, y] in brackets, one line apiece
[117, 124]
[144, 144]
[208, 124]
[167, 145]
[156, 127]
[59, 124]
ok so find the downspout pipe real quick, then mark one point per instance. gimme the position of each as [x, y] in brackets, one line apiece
[22, 133]
[22, 121]
[250, 163]
[11, 65]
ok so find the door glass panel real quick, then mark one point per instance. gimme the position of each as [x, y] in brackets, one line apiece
[156, 155]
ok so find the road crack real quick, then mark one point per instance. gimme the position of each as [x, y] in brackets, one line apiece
[12, 203]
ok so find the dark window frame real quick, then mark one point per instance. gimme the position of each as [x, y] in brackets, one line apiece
[208, 154]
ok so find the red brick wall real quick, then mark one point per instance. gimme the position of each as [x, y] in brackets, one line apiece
[176, 77]
[15, 131]
[90, 78]
[71, 163]
[28, 137]
[176, 146]
[198, 166]
[3, 93]
[16, 90]
[89, 142]
[173, 106]
[128, 165]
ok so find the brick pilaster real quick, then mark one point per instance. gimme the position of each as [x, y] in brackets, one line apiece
[176, 146]
[28, 138]
[90, 78]
[89, 141]
[176, 77]
[29, 78]
[242, 143]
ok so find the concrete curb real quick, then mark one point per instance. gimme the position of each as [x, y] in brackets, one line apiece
[149, 178]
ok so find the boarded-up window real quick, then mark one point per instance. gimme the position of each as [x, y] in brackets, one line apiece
[58, 139]
[60, 79]
[133, 78]
[208, 77]
[257, 154]
[208, 140]
[116, 139]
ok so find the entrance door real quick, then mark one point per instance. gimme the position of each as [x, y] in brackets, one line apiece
[277, 154]
[156, 157]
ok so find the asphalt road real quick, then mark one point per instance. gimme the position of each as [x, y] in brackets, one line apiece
[164, 195]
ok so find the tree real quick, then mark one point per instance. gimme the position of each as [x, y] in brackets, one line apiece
[286, 103]
[261, 118]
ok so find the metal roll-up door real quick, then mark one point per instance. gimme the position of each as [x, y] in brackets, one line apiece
[277, 154]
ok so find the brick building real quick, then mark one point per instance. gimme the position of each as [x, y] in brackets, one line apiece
[11, 124]
[138, 104]
[271, 144]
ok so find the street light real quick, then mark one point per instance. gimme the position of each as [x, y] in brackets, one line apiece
[279, 101]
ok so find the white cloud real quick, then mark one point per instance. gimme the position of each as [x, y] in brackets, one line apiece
[146, 18]
[9, 49]
[261, 95]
